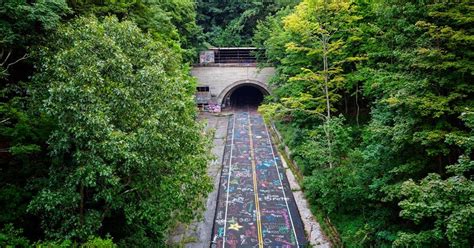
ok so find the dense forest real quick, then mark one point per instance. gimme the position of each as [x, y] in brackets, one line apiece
[99, 144]
[376, 102]
[232, 23]
[98, 138]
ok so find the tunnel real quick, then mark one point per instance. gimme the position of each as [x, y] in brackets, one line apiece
[246, 95]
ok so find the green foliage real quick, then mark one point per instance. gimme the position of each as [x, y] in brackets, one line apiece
[23, 159]
[23, 21]
[126, 142]
[99, 243]
[319, 30]
[112, 103]
[446, 204]
[19, 18]
[232, 23]
[92, 242]
[11, 237]
[22, 133]
[316, 146]
[173, 21]
[409, 65]
[270, 38]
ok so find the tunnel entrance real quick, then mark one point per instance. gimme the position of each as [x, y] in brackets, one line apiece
[246, 95]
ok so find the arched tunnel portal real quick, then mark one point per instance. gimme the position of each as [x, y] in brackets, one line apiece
[242, 94]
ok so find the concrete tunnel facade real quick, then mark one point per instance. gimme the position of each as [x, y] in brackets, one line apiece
[218, 84]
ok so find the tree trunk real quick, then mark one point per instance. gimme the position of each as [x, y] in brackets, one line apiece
[357, 104]
[325, 41]
[326, 75]
[328, 137]
[346, 109]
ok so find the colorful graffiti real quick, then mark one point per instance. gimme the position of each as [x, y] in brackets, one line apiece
[255, 205]
[206, 57]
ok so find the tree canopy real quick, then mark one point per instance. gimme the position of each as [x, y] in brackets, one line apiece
[99, 143]
[100, 147]
[391, 161]
[232, 23]
[105, 85]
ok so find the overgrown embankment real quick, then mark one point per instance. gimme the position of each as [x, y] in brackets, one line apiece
[374, 101]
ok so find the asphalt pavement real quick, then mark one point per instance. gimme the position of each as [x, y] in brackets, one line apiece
[255, 205]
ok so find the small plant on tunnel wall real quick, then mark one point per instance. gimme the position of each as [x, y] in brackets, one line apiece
[319, 33]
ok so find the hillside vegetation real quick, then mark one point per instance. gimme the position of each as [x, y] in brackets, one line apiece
[376, 102]
[98, 138]
[100, 147]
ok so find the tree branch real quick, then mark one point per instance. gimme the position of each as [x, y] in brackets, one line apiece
[18, 60]
[8, 56]
[4, 120]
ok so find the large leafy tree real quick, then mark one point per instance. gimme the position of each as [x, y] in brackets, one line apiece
[126, 148]
[318, 33]
[320, 29]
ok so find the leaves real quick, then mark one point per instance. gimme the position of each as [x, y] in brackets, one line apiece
[232, 23]
[400, 74]
[449, 202]
[126, 139]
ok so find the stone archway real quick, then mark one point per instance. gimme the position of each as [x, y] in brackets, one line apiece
[224, 96]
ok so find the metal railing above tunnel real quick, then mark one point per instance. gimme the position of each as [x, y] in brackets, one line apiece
[231, 55]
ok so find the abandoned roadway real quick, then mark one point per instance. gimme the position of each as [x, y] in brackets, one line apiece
[255, 205]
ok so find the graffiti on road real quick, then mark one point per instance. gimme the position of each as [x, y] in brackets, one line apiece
[255, 205]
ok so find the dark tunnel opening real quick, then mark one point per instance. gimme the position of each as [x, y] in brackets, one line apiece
[246, 96]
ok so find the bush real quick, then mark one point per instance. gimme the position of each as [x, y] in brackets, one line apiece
[12, 237]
